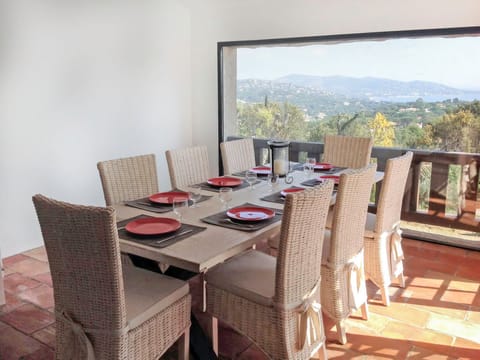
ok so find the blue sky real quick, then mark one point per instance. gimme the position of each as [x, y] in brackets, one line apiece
[451, 61]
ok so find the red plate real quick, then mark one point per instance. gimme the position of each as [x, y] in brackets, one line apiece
[168, 196]
[224, 181]
[262, 170]
[323, 166]
[335, 178]
[250, 213]
[152, 226]
[290, 191]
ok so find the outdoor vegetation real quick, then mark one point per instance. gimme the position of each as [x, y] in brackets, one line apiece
[455, 128]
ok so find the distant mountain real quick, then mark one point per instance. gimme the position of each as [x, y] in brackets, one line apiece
[311, 100]
[320, 97]
[379, 89]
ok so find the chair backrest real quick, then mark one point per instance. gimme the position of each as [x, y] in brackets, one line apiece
[350, 214]
[237, 155]
[301, 242]
[347, 151]
[187, 166]
[84, 257]
[391, 195]
[128, 178]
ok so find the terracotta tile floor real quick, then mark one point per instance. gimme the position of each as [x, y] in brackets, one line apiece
[437, 315]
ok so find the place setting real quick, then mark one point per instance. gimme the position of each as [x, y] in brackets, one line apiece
[327, 168]
[261, 171]
[321, 179]
[158, 232]
[235, 183]
[245, 217]
[279, 196]
[164, 201]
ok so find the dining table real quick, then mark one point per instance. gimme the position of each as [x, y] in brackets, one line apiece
[205, 249]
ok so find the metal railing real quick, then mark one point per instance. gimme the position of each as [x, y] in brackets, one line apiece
[442, 187]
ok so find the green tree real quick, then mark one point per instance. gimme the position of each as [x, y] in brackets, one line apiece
[427, 140]
[458, 131]
[410, 136]
[340, 124]
[473, 107]
[271, 120]
[382, 130]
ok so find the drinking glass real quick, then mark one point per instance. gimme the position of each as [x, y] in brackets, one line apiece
[225, 196]
[270, 181]
[179, 205]
[311, 161]
[195, 194]
[251, 177]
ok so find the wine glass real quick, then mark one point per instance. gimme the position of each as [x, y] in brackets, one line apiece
[225, 196]
[195, 194]
[251, 178]
[180, 205]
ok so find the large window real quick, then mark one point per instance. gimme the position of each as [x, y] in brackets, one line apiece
[408, 90]
[415, 89]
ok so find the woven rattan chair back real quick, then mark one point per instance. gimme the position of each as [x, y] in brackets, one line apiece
[301, 242]
[350, 214]
[84, 258]
[347, 151]
[128, 178]
[187, 166]
[237, 155]
[391, 194]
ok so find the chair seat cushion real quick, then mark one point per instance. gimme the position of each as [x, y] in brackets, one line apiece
[148, 293]
[370, 225]
[250, 275]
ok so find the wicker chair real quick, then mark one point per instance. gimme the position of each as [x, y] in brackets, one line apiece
[237, 155]
[128, 178]
[264, 298]
[187, 166]
[343, 278]
[347, 151]
[383, 248]
[103, 311]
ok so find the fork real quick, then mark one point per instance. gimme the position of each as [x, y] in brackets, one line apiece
[230, 221]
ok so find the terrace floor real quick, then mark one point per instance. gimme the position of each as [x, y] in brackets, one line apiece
[436, 316]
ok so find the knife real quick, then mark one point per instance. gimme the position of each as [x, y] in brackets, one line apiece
[173, 236]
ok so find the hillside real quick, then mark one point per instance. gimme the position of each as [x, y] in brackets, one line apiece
[320, 97]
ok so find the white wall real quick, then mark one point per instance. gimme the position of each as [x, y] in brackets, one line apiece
[82, 82]
[221, 20]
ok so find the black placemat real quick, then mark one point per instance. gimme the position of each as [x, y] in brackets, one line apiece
[208, 187]
[330, 171]
[146, 204]
[221, 219]
[277, 196]
[314, 182]
[157, 241]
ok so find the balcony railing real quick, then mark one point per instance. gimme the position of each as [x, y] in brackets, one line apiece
[442, 187]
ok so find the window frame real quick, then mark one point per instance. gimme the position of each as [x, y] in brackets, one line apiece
[307, 40]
